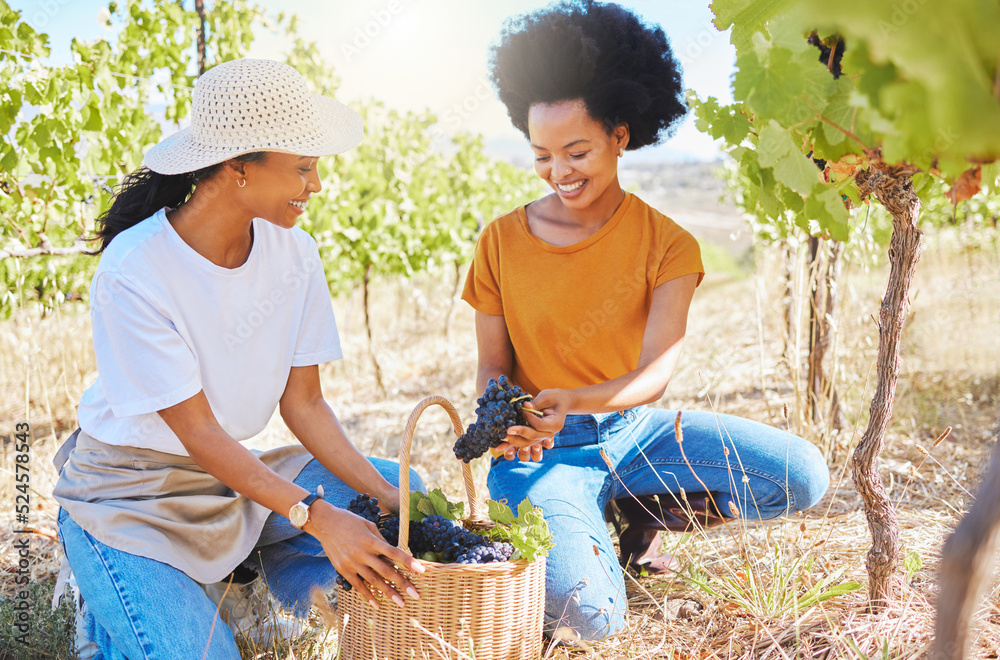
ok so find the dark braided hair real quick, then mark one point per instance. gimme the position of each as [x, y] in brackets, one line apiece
[144, 192]
[622, 69]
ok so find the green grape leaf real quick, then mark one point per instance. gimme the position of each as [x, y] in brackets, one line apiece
[416, 499]
[769, 203]
[791, 201]
[443, 507]
[529, 533]
[832, 152]
[773, 144]
[9, 160]
[733, 126]
[759, 86]
[797, 172]
[729, 11]
[426, 507]
[500, 513]
[840, 115]
[827, 209]
[789, 35]
[434, 503]
[92, 118]
[912, 563]
[746, 17]
[706, 112]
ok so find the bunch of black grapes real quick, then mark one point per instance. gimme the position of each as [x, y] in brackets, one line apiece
[833, 64]
[388, 527]
[435, 538]
[500, 407]
[365, 506]
[453, 543]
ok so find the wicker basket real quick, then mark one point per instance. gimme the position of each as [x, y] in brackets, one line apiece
[481, 611]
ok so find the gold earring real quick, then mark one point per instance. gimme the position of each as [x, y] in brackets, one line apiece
[241, 185]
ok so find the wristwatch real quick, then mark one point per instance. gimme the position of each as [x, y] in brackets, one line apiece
[298, 515]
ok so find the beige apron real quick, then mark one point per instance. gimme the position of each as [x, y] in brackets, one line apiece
[163, 506]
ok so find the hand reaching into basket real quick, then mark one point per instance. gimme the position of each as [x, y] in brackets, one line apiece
[360, 554]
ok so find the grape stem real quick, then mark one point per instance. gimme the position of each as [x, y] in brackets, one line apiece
[531, 410]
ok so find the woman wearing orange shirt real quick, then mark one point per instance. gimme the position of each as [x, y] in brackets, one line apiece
[582, 296]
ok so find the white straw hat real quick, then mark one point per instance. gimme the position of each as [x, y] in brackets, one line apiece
[255, 105]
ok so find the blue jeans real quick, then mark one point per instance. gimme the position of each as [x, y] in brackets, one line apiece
[765, 473]
[142, 609]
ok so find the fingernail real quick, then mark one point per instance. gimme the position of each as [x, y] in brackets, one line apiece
[396, 599]
[412, 593]
[374, 604]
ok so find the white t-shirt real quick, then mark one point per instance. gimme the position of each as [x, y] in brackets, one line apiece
[168, 323]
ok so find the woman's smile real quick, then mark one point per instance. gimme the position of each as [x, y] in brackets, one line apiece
[570, 189]
[299, 205]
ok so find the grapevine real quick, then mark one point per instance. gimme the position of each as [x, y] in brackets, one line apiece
[408, 200]
[897, 120]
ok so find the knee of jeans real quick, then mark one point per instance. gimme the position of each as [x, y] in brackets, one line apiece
[416, 483]
[602, 626]
[813, 487]
[590, 626]
[808, 478]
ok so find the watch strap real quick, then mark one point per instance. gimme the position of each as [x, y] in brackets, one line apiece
[305, 503]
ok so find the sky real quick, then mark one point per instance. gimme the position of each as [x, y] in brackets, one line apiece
[432, 54]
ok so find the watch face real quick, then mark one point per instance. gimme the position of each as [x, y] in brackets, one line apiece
[299, 514]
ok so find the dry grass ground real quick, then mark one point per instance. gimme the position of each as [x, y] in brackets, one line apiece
[744, 591]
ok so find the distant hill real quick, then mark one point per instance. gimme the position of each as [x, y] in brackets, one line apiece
[692, 184]
[691, 194]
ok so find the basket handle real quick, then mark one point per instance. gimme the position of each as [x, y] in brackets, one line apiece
[404, 467]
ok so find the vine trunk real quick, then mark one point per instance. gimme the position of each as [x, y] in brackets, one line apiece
[199, 8]
[791, 263]
[893, 188]
[824, 258]
[365, 288]
[452, 299]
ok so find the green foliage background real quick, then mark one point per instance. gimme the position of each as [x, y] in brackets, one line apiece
[407, 200]
[921, 88]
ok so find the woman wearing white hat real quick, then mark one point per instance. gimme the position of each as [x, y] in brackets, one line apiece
[210, 310]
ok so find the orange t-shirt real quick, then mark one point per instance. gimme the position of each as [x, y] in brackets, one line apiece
[576, 314]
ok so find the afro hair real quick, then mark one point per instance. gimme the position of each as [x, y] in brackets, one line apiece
[622, 70]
